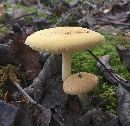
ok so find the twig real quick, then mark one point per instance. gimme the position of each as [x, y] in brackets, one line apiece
[27, 96]
[18, 19]
[116, 77]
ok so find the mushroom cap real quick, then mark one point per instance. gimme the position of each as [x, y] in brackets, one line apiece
[80, 83]
[64, 39]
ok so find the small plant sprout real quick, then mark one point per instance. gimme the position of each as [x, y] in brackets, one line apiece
[80, 84]
[64, 40]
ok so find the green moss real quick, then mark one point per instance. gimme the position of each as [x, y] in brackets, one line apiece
[3, 18]
[4, 30]
[7, 73]
[69, 1]
[32, 9]
[106, 92]
[27, 9]
[83, 61]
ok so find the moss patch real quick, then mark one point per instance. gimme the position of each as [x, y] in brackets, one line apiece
[83, 61]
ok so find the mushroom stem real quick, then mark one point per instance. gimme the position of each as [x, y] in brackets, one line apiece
[66, 65]
[83, 99]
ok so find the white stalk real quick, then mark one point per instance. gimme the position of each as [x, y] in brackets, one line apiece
[66, 65]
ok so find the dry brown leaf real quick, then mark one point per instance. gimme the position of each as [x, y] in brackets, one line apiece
[8, 97]
[31, 63]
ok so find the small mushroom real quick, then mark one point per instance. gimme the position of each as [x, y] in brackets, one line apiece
[64, 40]
[80, 84]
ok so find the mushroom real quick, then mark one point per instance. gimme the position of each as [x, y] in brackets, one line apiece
[80, 84]
[64, 40]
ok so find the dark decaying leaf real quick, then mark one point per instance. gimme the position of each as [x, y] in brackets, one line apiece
[17, 13]
[31, 115]
[24, 117]
[31, 63]
[105, 60]
[123, 105]
[8, 114]
[98, 117]
[41, 24]
[60, 8]
[118, 13]
[5, 55]
[17, 28]
[109, 29]
[120, 7]
[43, 58]
[94, 117]
[51, 70]
[66, 114]
[7, 39]
[124, 54]
[70, 17]
[44, 118]
[54, 94]
[72, 113]
[24, 56]
[48, 75]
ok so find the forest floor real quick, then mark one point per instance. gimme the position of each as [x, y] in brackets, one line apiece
[24, 17]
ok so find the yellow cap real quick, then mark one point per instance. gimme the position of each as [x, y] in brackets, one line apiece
[64, 39]
[80, 83]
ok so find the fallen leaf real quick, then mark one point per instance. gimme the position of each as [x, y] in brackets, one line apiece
[55, 94]
[31, 63]
[8, 114]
